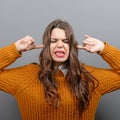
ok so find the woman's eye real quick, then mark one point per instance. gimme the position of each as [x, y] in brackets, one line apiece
[52, 40]
[66, 41]
[56, 40]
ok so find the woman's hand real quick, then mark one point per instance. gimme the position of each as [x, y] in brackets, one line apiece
[27, 43]
[91, 44]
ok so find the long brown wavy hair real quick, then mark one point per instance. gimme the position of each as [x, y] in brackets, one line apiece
[81, 87]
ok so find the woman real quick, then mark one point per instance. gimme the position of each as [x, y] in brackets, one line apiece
[61, 87]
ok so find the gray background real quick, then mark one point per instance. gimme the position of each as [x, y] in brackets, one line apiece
[98, 18]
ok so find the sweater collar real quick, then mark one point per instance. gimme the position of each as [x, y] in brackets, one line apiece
[63, 70]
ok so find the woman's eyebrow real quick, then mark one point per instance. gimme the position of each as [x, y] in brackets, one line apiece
[59, 39]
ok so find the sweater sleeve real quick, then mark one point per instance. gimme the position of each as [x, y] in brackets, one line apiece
[109, 79]
[112, 56]
[8, 55]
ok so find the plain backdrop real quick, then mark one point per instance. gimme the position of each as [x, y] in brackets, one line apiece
[98, 18]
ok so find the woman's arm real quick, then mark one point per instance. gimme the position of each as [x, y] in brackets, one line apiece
[11, 78]
[109, 79]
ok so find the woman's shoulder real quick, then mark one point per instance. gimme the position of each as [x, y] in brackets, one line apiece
[89, 67]
[31, 66]
[27, 68]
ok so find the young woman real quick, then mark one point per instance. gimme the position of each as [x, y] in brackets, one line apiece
[60, 87]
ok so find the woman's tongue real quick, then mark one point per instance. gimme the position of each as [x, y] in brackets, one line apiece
[60, 54]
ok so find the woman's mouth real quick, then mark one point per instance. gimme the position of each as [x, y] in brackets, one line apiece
[60, 54]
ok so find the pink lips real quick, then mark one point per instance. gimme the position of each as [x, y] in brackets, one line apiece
[60, 53]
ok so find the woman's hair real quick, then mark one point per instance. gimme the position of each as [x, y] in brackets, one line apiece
[80, 81]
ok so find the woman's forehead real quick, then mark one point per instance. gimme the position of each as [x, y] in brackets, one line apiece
[58, 33]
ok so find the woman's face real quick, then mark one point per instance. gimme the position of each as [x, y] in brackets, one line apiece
[59, 46]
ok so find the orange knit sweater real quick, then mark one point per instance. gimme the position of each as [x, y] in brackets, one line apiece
[23, 83]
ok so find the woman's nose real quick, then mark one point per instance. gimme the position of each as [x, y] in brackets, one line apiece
[59, 43]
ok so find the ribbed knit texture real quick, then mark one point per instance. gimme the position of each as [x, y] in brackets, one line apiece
[23, 83]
